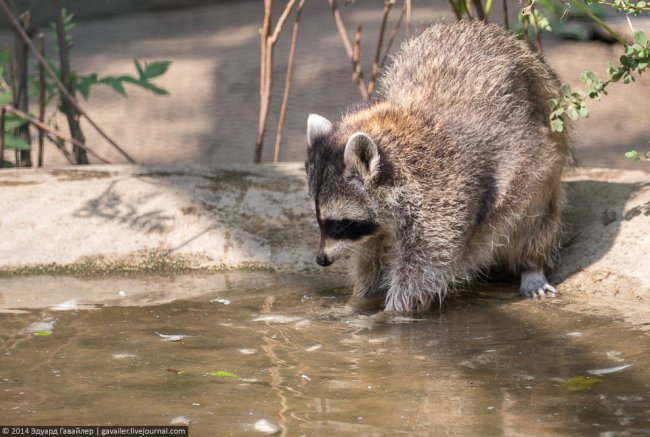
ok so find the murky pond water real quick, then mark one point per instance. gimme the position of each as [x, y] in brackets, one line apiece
[285, 350]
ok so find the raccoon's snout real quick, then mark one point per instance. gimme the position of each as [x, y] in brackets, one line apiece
[323, 260]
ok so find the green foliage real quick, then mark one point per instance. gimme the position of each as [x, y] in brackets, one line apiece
[572, 103]
[625, 6]
[68, 25]
[146, 73]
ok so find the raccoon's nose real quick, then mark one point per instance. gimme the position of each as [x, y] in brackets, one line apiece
[323, 260]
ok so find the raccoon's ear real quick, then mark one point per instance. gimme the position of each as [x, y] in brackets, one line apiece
[362, 155]
[317, 126]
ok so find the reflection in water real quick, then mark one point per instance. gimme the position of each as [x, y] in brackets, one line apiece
[283, 354]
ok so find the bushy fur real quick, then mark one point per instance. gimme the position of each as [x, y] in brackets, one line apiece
[466, 172]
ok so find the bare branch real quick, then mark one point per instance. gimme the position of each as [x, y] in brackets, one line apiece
[393, 34]
[278, 26]
[3, 112]
[340, 26]
[41, 98]
[388, 5]
[506, 20]
[39, 124]
[265, 93]
[357, 72]
[538, 35]
[478, 7]
[287, 81]
[455, 9]
[57, 81]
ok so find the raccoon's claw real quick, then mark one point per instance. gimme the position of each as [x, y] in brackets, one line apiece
[535, 285]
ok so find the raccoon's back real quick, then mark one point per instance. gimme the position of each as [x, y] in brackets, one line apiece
[469, 65]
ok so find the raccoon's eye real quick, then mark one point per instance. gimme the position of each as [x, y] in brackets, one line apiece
[347, 229]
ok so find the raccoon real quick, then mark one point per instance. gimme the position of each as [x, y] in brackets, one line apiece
[451, 170]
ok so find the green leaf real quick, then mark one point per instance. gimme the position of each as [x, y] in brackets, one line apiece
[572, 113]
[633, 155]
[153, 88]
[557, 125]
[84, 83]
[5, 98]
[583, 111]
[13, 142]
[138, 67]
[43, 333]
[7, 164]
[581, 383]
[13, 122]
[154, 69]
[114, 83]
[223, 374]
[565, 89]
[5, 54]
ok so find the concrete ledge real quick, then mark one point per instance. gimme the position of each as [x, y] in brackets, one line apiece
[107, 219]
[129, 218]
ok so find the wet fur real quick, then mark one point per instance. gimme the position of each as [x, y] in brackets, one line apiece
[469, 170]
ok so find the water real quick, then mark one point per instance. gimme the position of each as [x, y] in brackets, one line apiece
[486, 363]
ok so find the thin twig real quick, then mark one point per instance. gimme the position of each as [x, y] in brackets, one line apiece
[41, 99]
[71, 113]
[57, 81]
[60, 145]
[452, 3]
[268, 42]
[21, 95]
[468, 9]
[278, 26]
[39, 124]
[538, 36]
[3, 112]
[340, 26]
[478, 7]
[388, 5]
[407, 7]
[264, 93]
[287, 81]
[392, 35]
[506, 20]
[357, 72]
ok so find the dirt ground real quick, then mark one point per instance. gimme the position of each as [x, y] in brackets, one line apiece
[210, 116]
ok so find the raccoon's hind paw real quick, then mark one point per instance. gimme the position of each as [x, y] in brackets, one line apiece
[534, 284]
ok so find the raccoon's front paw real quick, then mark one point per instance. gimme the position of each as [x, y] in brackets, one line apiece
[534, 284]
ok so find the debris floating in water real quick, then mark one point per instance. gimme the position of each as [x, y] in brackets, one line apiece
[574, 334]
[123, 356]
[42, 326]
[68, 305]
[278, 319]
[172, 337]
[221, 300]
[267, 427]
[180, 420]
[121, 293]
[606, 370]
[313, 347]
[247, 351]
[581, 383]
[223, 374]
[43, 333]
[176, 371]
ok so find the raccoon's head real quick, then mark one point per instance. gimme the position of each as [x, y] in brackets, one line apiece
[343, 174]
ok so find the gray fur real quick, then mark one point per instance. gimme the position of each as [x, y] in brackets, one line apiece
[468, 172]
